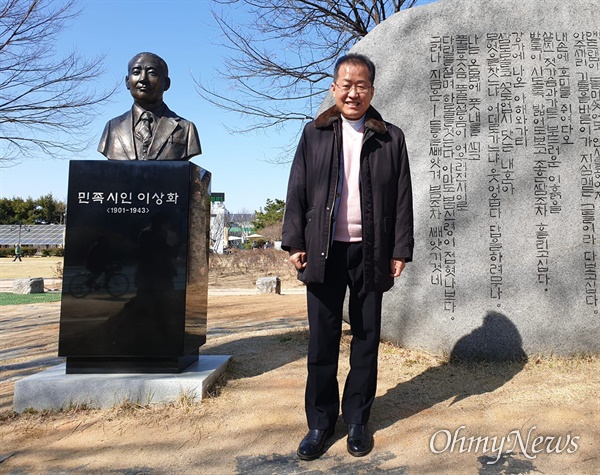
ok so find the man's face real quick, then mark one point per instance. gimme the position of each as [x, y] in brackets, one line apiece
[353, 90]
[147, 81]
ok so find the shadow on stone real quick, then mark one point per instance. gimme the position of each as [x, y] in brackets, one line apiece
[496, 340]
[495, 347]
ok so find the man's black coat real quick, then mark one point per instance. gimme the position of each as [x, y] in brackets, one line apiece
[385, 191]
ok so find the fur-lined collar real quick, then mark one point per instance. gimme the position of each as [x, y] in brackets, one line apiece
[373, 119]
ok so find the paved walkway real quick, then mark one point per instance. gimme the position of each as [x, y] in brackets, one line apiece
[285, 291]
[55, 284]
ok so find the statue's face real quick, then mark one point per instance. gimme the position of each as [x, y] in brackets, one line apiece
[147, 81]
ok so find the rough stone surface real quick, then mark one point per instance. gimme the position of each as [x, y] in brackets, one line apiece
[54, 390]
[268, 285]
[500, 104]
[28, 286]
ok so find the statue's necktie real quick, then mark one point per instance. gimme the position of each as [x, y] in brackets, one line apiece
[144, 131]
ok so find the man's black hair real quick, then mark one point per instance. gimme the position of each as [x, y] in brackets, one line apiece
[356, 59]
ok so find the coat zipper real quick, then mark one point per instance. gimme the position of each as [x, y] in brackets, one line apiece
[332, 205]
[366, 136]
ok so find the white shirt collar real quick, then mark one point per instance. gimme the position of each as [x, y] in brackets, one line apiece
[357, 124]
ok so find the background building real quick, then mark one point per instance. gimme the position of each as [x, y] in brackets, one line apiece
[40, 236]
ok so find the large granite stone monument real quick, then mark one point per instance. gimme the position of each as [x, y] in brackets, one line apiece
[500, 103]
[136, 266]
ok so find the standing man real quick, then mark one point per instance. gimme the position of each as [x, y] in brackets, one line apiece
[150, 130]
[348, 224]
[17, 253]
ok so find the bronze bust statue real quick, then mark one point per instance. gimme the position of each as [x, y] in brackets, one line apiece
[150, 130]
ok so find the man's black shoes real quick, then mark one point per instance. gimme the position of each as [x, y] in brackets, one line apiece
[313, 444]
[360, 440]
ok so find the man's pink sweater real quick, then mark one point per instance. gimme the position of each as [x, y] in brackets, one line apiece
[348, 224]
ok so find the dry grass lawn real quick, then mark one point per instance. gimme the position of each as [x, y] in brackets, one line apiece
[29, 267]
[254, 419]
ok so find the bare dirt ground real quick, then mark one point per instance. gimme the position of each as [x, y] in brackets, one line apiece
[541, 416]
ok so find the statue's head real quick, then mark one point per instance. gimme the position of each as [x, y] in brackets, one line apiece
[147, 79]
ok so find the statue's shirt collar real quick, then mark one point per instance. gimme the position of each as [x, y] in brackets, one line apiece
[156, 112]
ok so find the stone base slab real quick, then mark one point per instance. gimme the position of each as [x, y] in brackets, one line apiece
[53, 389]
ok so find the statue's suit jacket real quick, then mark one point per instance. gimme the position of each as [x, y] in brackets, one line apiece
[174, 138]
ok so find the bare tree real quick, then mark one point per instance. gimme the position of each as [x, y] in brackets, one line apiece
[282, 56]
[46, 101]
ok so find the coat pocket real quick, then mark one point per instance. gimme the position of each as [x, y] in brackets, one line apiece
[309, 215]
[309, 228]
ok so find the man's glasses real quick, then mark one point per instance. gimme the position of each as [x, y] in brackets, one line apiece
[358, 88]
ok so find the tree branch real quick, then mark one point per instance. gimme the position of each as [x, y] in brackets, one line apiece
[282, 55]
[46, 102]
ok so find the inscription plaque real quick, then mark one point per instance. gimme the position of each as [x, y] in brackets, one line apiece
[136, 266]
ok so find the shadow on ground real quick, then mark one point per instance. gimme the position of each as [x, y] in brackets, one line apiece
[480, 362]
[272, 350]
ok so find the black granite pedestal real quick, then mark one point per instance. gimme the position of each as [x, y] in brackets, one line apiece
[135, 278]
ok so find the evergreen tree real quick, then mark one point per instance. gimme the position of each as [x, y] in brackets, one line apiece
[272, 214]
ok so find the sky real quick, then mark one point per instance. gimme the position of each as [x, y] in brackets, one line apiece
[183, 32]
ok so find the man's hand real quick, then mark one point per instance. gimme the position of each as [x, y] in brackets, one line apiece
[298, 258]
[396, 267]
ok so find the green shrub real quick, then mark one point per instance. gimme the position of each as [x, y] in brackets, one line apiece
[53, 252]
[28, 251]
